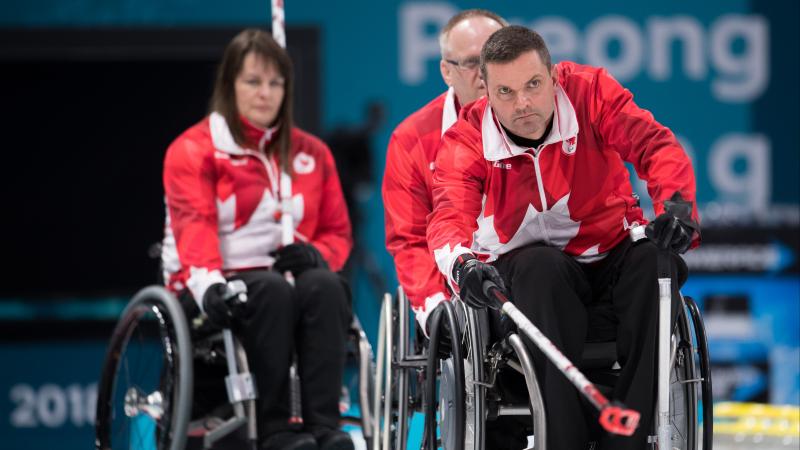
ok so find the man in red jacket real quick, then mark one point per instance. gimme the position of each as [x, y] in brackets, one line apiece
[531, 192]
[411, 153]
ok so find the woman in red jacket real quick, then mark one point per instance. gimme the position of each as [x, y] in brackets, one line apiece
[222, 179]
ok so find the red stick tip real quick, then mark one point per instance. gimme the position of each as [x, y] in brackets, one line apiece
[619, 420]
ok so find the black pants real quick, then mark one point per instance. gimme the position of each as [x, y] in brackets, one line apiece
[310, 319]
[553, 291]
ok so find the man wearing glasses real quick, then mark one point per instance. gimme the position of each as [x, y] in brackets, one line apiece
[411, 154]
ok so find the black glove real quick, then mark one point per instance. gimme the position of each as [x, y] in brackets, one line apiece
[469, 274]
[674, 229]
[216, 308]
[297, 258]
[445, 341]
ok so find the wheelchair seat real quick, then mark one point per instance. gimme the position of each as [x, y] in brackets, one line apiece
[600, 350]
[599, 355]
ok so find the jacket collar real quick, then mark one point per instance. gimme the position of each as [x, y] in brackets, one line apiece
[497, 145]
[449, 113]
[257, 138]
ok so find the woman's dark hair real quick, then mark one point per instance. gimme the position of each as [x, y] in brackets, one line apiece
[223, 99]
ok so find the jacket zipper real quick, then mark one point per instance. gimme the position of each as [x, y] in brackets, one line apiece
[273, 183]
[542, 197]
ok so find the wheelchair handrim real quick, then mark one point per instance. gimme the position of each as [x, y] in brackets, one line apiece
[170, 429]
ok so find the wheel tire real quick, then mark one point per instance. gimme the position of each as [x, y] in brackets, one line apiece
[705, 373]
[683, 395]
[152, 322]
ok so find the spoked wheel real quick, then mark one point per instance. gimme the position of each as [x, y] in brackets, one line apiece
[704, 373]
[394, 394]
[361, 380]
[404, 382]
[477, 330]
[382, 399]
[144, 396]
[683, 387]
[451, 396]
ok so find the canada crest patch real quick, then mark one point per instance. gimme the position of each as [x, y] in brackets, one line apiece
[568, 146]
[304, 163]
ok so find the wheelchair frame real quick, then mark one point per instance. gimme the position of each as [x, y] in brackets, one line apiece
[169, 404]
[482, 364]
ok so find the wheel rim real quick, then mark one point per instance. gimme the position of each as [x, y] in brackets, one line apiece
[138, 393]
[447, 405]
[683, 397]
[680, 413]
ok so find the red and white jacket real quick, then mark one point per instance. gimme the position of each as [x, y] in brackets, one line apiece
[407, 201]
[573, 192]
[223, 203]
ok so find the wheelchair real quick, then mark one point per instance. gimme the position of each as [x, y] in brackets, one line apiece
[145, 393]
[470, 398]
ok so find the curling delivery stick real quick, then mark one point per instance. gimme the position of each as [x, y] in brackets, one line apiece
[614, 417]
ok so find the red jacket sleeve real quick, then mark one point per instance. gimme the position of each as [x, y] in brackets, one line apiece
[458, 185]
[407, 203]
[639, 139]
[333, 236]
[189, 182]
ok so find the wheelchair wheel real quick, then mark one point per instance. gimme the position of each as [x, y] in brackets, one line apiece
[403, 381]
[392, 402]
[144, 394]
[704, 374]
[683, 387]
[451, 393]
[399, 375]
[467, 430]
[360, 380]
[475, 383]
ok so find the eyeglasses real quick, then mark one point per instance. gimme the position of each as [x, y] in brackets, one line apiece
[466, 64]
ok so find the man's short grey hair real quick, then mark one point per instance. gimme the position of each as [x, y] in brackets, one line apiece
[460, 17]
